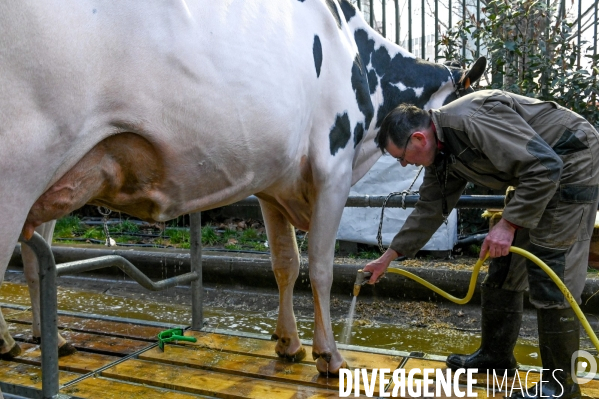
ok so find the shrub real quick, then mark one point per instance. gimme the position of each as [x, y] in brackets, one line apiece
[531, 52]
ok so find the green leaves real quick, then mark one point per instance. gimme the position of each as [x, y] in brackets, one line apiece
[510, 45]
[533, 51]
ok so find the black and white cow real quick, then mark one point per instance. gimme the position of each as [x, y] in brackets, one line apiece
[161, 108]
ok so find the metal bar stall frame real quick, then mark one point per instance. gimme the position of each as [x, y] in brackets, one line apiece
[48, 272]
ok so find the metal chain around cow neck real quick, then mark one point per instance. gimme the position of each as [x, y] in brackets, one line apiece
[379, 235]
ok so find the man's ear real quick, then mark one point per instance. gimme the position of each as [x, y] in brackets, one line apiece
[420, 136]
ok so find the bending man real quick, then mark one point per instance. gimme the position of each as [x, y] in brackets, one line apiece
[550, 155]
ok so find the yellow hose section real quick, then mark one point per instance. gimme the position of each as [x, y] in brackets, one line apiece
[474, 277]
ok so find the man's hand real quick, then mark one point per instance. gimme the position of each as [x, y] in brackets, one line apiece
[379, 266]
[498, 241]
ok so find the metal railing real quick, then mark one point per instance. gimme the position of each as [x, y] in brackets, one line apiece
[376, 11]
[409, 201]
[48, 272]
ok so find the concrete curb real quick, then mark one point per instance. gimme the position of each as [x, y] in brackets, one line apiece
[251, 270]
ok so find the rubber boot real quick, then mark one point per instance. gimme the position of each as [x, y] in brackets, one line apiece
[500, 323]
[559, 338]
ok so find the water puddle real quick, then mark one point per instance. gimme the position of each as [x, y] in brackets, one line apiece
[437, 341]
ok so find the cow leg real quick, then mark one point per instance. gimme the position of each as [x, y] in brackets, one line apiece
[285, 264]
[324, 223]
[31, 271]
[10, 224]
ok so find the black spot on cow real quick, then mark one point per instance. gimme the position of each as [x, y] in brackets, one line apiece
[301, 1]
[332, 4]
[358, 134]
[397, 72]
[359, 82]
[365, 45]
[373, 81]
[317, 52]
[348, 10]
[340, 133]
[381, 60]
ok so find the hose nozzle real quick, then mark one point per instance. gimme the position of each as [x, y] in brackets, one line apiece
[361, 279]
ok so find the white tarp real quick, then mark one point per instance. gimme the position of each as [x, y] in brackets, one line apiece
[361, 224]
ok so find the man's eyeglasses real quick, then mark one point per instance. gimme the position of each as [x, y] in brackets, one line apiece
[405, 148]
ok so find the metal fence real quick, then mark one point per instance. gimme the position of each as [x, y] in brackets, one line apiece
[418, 25]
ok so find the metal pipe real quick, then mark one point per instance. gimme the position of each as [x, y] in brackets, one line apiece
[437, 30]
[48, 316]
[360, 201]
[197, 317]
[384, 18]
[93, 316]
[423, 44]
[595, 54]
[465, 201]
[579, 34]
[463, 26]
[410, 26]
[478, 26]
[126, 266]
[449, 21]
[397, 41]
[17, 391]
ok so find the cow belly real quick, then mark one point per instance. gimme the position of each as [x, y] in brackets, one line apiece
[127, 173]
[123, 172]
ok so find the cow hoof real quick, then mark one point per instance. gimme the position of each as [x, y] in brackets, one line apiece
[329, 365]
[326, 370]
[11, 354]
[66, 350]
[296, 357]
[290, 349]
[36, 340]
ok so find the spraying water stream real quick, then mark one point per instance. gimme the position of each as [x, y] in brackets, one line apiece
[346, 335]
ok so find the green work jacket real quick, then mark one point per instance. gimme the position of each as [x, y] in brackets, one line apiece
[497, 139]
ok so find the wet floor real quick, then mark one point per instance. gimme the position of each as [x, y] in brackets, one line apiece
[227, 313]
